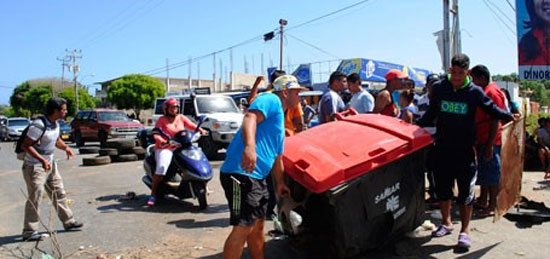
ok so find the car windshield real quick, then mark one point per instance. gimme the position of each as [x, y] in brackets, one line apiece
[158, 106]
[216, 104]
[113, 116]
[21, 122]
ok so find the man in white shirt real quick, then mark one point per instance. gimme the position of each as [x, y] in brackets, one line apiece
[362, 101]
[40, 169]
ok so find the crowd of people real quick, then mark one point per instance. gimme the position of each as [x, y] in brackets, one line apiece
[463, 110]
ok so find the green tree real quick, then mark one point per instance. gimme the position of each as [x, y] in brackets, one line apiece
[137, 92]
[36, 98]
[6, 110]
[85, 100]
[17, 98]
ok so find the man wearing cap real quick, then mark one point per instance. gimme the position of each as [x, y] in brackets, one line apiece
[256, 150]
[453, 105]
[331, 102]
[384, 103]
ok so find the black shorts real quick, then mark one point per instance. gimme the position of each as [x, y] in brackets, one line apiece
[450, 165]
[247, 198]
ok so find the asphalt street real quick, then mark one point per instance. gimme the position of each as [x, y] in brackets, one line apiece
[117, 225]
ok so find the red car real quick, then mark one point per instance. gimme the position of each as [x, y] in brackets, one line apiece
[102, 124]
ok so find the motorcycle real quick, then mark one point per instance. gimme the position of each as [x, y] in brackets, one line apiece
[189, 170]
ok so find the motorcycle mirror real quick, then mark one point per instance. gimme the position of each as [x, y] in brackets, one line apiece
[202, 118]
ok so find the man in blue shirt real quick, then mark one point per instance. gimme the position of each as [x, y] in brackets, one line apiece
[256, 150]
[362, 101]
[331, 102]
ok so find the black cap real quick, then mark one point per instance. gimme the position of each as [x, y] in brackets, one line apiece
[431, 78]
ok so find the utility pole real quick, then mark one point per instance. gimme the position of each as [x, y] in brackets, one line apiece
[214, 70]
[190, 83]
[64, 64]
[198, 74]
[245, 65]
[282, 23]
[456, 39]
[167, 76]
[231, 69]
[446, 41]
[220, 85]
[73, 55]
[262, 72]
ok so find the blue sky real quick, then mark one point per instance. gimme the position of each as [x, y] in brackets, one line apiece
[135, 36]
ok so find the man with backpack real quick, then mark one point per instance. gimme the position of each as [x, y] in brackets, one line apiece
[40, 169]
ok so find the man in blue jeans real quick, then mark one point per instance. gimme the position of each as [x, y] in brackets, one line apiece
[454, 102]
[256, 150]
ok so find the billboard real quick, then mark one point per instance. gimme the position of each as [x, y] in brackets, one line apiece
[374, 70]
[533, 42]
[303, 74]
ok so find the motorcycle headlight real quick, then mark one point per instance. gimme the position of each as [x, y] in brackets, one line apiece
[192, 153]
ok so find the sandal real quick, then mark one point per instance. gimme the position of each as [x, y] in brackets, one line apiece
[151, 201]
[486, 213]
[442, 231]
[464, 241]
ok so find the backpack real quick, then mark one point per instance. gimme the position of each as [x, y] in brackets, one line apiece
[18, 145]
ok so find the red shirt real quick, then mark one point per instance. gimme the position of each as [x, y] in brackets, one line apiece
[483, 119]
[543, 58]
[171, 128]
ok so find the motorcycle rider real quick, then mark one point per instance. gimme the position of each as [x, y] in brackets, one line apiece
[170, 123]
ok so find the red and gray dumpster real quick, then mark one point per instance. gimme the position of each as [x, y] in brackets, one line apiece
[359, 181]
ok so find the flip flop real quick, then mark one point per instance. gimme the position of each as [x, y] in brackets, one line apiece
[464, 241]
[486, 213]
[442, 231]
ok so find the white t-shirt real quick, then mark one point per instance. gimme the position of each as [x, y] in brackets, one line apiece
[362, 102]
[46, 146]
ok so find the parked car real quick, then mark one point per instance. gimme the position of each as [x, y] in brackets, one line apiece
[64, 130]
[102, 124]
[12, 128]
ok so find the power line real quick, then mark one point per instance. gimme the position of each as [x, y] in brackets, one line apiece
[499, 18]
[312, 46]
[183, 63]
[327, 15]
[500, 11]
[511, 6]
[133, 18]
[108, 24]
[186, 62]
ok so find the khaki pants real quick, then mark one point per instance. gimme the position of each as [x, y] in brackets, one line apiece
[38, 181]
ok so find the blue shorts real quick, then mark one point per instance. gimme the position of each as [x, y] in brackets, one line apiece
[488, 172]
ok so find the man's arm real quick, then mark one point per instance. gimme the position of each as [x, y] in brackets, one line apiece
[251, 119]
[493, 128]
[382, 100]
[61, 145]
[27, 147]
[278, 175]
[492, 109]
[254, 91]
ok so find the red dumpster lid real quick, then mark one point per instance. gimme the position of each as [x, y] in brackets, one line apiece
[333, 153]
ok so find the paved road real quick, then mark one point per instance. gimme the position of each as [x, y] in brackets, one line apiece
[176, 229]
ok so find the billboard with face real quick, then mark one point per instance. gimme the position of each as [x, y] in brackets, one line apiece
[533, 28]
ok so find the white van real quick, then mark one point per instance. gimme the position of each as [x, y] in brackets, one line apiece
[223, 118]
